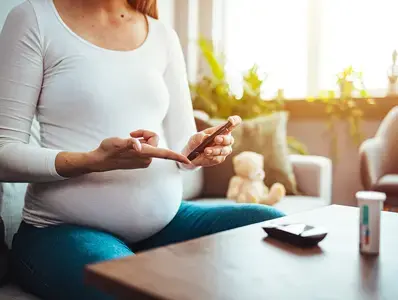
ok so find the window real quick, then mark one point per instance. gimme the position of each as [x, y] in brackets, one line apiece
[302, 44]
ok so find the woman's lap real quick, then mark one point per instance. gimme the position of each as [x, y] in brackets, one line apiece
[49, 262]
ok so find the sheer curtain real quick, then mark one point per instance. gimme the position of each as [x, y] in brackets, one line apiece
[271, 34]
[302, 44]
[362, 33]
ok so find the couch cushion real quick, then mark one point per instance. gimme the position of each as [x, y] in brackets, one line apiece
[296, 204]
[11, 292]
[289, 205]
[12, 206]
[388, 184]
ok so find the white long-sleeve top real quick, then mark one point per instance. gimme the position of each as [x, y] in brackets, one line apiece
[82, 94]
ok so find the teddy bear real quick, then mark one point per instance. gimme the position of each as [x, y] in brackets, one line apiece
[247, 186]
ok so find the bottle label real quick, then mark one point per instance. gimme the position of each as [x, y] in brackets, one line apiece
[365, 229]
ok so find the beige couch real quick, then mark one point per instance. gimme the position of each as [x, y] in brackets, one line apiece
[314, 179]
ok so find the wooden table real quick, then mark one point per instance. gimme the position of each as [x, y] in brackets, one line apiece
[242, 264]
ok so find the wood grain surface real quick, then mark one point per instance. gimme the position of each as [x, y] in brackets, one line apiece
[244, 264]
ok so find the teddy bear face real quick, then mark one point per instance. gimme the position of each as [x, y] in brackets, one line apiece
[249, 165]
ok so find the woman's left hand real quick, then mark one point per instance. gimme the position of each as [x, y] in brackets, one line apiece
[217, 152]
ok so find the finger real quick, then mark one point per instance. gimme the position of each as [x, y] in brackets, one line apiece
[218, 151]
[224, 140]
[218, 159]
[211, 130]
[151, 137]
[197, 139]
[146, 134]
[144, 141]
[147, 137]
[151, 151]
[235, 121]
[153, 141]
[122, 145]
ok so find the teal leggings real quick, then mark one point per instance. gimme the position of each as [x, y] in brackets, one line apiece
[49, 262]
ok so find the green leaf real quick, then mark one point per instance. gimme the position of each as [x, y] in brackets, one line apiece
[296, 147]
[208, 52]
[363, 94]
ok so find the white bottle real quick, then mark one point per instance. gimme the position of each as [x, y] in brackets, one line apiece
[370, 205]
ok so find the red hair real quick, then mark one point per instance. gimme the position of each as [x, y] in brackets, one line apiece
[146, 7]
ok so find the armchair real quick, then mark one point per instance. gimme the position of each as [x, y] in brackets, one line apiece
[379, 159]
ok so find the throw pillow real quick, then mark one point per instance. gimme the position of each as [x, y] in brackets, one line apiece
[265, 135]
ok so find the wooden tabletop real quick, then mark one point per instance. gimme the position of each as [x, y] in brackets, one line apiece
[243, 264]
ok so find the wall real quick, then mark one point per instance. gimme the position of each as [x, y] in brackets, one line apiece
[346, 176]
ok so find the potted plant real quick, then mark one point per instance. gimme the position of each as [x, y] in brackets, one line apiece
[344, 105]
[212, 94]
[393, 75]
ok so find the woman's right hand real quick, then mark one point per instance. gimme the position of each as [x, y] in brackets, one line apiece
[116, 153]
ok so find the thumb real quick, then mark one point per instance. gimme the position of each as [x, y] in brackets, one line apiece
[196, 140]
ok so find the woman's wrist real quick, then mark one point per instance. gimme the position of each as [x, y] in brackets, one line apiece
[73, 164]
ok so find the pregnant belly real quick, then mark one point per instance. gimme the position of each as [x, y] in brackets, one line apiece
[133, 204]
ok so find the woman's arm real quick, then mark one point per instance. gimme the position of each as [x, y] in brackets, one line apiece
[21, 75]
[179, 123]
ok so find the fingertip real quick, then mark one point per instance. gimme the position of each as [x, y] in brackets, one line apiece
[235, 120]
[183, 159]
[187, 162]
[226, 151]
[133, 133]
[219, 139]
[228, 140]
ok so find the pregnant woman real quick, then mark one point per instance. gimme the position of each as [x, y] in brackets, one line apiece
[107, 82]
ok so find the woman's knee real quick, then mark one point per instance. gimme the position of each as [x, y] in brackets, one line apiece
[213, 218]
[246, 214]
[258, 213]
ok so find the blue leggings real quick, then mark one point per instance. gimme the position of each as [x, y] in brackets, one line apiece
[49, 262]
